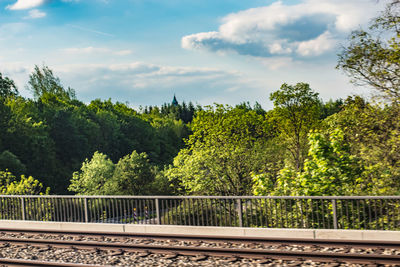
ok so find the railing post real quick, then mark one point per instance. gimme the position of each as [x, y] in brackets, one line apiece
[85, 203]
[335, 225]
[240, 212]
[158, 219]
[23, 208]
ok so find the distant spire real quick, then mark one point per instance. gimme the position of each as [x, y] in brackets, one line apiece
[174, 101]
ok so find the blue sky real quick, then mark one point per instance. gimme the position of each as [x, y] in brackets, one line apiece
[144, 51]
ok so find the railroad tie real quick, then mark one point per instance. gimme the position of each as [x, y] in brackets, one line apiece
[200, 258]
[170, 256]
[118, 252]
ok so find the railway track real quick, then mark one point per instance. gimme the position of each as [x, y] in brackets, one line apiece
[193, 248]
[219, 239]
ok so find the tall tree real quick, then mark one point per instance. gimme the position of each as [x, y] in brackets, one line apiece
[132, 175]
[373, 134]
[93, 176]
[7, 87]
[43, 81]
[227, 146]
[373, 56]
[296, 112]
[330, 169]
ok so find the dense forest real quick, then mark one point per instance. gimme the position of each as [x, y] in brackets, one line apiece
[54, 143]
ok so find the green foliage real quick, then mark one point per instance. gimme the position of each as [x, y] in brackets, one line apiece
[7, 87]
[330, 169]
[10, 185]
[132, 175]
[184, 112]
[373, 57]
[123, 130]
[208, 212]
[170, 134]
[352, 148]
[29, 138]
[54, 133]
[373, 133]
[331, 107]
[42, 81]
[5, 115]
[296, 112]
[161, 184]
[94, 176]
[10, 162]
[227, 145]
[257, 107]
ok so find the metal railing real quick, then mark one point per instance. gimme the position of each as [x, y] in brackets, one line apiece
[345, 212]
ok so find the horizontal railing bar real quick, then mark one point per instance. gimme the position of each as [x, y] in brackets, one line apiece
[202, 197]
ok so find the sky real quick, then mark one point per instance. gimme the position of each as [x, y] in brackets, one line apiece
[142, 52]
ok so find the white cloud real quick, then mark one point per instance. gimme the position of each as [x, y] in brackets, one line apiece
[35, 14]
[26, 4]
[10, 68]
[275, 63]
[317, 46]
[141, 75]
[85, 50]
[123, 52]
[143, 83]
[309, 28]
[17, 71]
[95, 50]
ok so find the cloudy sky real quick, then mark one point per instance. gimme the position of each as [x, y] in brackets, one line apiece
[204, 51]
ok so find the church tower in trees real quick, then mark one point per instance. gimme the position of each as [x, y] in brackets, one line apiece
[174, 101]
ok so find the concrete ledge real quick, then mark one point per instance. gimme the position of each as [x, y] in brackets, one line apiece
[30, 225]
[188, 230]
[381, 235]
[279, 233]
[372, 235]
[339, 234]
[96, 227]
[62, 226]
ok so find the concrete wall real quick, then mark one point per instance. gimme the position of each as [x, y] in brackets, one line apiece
[206, 230]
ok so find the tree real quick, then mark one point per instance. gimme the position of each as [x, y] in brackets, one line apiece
[10, 162]
[373, 57]
[373, 133]
[7, 87]
[170, 134]
[10, 185]
[27, 136]
[132, 176]
[329, 170]
[43, 81]
[331, 107]
[296, 112]
[226, 147]
[93, 177]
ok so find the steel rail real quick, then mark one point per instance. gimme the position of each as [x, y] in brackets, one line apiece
[214, 251]
[20, 262]
[212, 238]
